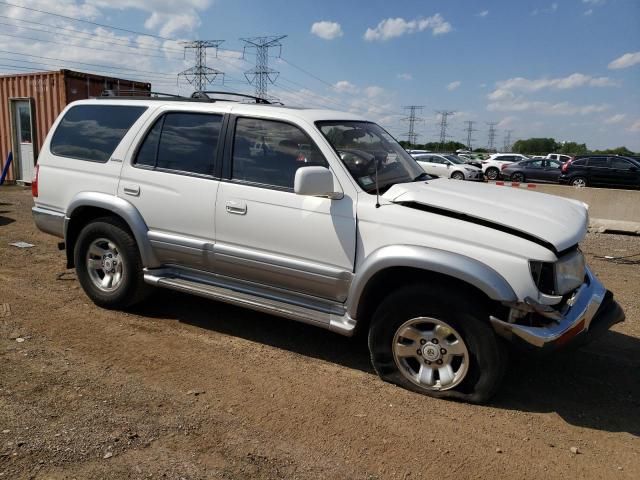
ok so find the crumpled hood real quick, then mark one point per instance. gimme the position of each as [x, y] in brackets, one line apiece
[553, 220]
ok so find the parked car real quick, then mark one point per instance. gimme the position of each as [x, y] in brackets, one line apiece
[469, 159]
[538, 170]
[493, 165]
[448, 166]
[601, 170]
[559, 156]
[345, 234]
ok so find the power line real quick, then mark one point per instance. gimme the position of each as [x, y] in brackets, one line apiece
[199, 75]
[412, 119]
[87, 21]
[492, 135]
[261, 74]
[469, 130]
[444, 115]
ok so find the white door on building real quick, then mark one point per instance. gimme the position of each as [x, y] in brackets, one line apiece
[24, 139]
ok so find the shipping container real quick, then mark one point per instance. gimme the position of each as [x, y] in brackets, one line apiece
[30, 103]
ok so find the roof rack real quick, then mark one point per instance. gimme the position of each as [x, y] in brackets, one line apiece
[204, 94]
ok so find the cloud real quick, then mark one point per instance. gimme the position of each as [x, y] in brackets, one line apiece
[551, 9]
[396, 27]
[453, 85]
[594, 2]
[327, 30]
[625, 61]
[405, 76]
[373, 91]
[483, 13]
[344, 86]
[507, 122]
[521, 104]
[634, 127]
[619, 117]
[562, 83]
[588, 12]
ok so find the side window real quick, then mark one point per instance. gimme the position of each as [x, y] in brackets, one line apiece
[92, 132]
[579, 163]
[620, 163]
[184, 142]
[270, 152]
[598, 161]
[554, 164]
[535, 164]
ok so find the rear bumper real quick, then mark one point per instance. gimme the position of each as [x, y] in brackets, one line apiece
[593, 312]
[49, 221]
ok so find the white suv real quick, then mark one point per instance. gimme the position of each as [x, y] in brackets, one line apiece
[320, 217]
[494, 164]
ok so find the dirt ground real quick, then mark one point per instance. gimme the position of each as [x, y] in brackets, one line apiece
[184, 388]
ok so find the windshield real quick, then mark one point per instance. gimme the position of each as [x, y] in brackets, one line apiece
[454, 159]
[365, 146]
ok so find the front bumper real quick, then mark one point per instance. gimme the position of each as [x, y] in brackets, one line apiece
[591, 313]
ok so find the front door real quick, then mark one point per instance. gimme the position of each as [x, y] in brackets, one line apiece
[23, 139]
[267, 234]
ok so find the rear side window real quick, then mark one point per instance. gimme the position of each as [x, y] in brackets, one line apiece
[621, 164]
[598, 161]
[185, 142]
[92, 132]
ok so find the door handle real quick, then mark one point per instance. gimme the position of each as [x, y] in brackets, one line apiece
[133, 190]
[236, 207]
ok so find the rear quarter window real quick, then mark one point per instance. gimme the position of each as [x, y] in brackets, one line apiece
[92, 132]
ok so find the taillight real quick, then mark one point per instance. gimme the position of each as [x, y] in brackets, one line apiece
[565, 166]
[34, 182]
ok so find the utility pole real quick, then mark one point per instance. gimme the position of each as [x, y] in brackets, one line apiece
[412, 119]
[507, 141]
[492, 135]
[469, 131]
[261, 75]
[444, 114]
[200, 75]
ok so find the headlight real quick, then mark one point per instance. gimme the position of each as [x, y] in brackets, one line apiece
[560, 277]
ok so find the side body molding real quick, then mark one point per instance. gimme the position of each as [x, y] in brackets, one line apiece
[454, 265]
[123, 209]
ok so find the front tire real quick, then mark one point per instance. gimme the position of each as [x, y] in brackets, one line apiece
[492, 173]
[108, 264]
[425, 339]
[457, 176]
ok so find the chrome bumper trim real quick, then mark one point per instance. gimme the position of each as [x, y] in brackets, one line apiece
[577, 317]
[49, 221]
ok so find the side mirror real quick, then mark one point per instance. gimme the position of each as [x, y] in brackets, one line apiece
[315, 182]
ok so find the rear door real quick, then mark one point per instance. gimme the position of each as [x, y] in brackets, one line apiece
[551, 170]
[169, 176]
[599, 171]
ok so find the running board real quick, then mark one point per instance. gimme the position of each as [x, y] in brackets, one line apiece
[342, 324]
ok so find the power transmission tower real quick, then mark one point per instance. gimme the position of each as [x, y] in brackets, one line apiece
[469, 130]
[507, 141]
[261, 75]
[492, 135]
[443, 126]
[201, 75]
[412, 119]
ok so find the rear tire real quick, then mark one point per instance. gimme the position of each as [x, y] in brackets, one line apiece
[579, 182]
[492, 173]
[108, 264]
[420, 312]
[517, 177]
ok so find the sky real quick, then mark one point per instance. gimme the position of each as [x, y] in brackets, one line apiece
[568, 69]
